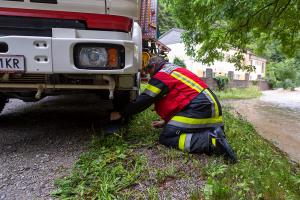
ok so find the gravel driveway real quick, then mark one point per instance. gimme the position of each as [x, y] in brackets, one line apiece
[41, 141]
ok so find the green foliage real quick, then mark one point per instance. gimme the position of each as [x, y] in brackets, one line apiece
[288, 84]
[222, 82]
[281, 70]
[153, 193]
[284, 73]
[110, 166]
[179, 62]
[298, 79]
[236, 93]
[103, 172]
[162, 174]
[216, 189]
[166, 20]
[271, 79]
[116, 165]
[261, 173]
[212, 26]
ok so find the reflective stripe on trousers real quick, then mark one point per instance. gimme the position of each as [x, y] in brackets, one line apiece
[184, 143]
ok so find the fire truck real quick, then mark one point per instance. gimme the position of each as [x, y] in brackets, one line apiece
[55, 47]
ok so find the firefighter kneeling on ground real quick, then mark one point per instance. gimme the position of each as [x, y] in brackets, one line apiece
[191, 113]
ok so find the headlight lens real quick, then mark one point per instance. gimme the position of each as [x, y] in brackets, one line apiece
[93, 57]
[99, 56]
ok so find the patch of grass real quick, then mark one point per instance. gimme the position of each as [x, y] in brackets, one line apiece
[152, 193]
[102, 172]
[262, 172]
[110, 165]
[168, 172]
[239, 93]
[132, 165]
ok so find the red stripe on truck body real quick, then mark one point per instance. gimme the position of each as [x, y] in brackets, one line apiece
[93, 21]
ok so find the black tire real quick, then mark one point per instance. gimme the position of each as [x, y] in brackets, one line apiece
[3, 101]
[121, 99]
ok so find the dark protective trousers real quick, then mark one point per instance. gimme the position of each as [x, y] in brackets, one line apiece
[196, 141]
[208, 141]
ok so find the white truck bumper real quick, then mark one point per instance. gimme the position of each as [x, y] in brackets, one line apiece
[54, 55]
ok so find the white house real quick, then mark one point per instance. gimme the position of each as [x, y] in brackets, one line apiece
[173, 40]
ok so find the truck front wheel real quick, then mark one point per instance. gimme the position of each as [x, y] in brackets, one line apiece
[3, 101]
[123, 98]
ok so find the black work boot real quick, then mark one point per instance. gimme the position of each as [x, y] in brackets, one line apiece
[221, 146]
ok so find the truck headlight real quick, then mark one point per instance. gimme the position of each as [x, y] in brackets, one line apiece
[99, 56]
[93, 57]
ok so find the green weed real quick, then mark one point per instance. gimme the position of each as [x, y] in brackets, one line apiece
[262, 172]
[117, 167]
[168, 172]
[102, 172]
[152, 193]
[236, 93]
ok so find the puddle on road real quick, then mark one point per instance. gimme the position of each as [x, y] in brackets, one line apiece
[281, 125]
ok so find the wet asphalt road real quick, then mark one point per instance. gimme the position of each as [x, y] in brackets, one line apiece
[40, 142]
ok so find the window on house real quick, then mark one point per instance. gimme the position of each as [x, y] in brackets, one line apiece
[263, 68]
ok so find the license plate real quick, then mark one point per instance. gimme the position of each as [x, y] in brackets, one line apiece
[12, 64]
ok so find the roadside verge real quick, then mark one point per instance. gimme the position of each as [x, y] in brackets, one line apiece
[132, 165]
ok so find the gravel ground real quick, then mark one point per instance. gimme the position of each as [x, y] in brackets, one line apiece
[41, 141]
[183, 181]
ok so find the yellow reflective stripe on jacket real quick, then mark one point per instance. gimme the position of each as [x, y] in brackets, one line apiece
[152, 90]
[181, 141]
[188, 120]
[217, 112]
[186, 80]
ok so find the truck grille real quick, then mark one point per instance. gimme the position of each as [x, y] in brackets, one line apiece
[30, 26]
[27, 79]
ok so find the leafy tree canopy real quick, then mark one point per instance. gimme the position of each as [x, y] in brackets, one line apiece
[179, 62]
[214, 25]
[282, 71]
[166, 20]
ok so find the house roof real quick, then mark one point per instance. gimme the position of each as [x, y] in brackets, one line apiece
[173, 36]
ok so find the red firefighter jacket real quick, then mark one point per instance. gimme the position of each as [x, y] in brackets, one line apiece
[183, 87]
[181, 98]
